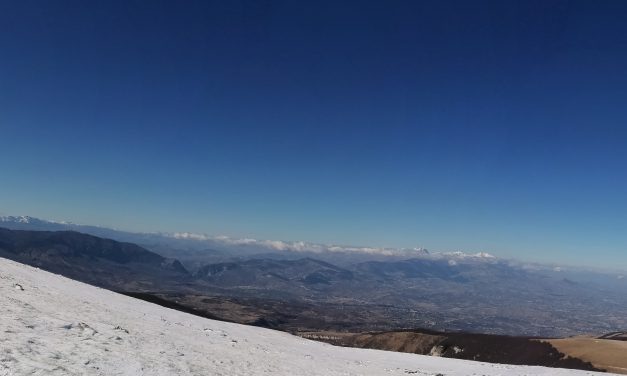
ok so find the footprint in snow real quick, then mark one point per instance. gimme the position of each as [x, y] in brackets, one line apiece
[121, 329]
[83, 327]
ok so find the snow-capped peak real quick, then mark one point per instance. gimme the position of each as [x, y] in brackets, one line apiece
[26, 219]
[18, 219]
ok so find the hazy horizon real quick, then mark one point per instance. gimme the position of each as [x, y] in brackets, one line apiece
[307, 247]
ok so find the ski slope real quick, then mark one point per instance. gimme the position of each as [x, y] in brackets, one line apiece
[51, 325]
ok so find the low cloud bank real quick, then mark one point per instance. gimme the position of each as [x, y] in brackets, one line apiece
[302, 246]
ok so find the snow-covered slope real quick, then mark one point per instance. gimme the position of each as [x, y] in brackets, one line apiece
[51, 325]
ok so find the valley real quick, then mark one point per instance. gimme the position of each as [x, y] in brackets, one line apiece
[427, 305]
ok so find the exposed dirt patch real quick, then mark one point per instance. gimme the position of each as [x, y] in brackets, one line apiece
[607, 354]
[470, 346]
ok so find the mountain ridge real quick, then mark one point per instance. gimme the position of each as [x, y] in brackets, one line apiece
[86, 257]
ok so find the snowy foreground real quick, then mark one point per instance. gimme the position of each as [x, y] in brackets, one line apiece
[51, 325]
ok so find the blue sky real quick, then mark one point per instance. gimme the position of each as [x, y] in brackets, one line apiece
[495, 126]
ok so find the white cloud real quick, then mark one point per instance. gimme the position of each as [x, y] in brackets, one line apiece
[190, 236]
[298, 246]
[278, 245]
[458, 254]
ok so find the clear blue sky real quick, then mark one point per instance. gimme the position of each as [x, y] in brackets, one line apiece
[491, 125]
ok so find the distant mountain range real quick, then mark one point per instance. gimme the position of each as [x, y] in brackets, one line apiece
[302, 290]
[202, 248]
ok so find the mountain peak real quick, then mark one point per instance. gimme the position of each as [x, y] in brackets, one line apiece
[24, 219]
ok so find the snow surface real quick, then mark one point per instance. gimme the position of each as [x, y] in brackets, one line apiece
[51, 325]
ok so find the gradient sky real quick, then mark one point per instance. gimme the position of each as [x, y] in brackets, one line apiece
[496, 126]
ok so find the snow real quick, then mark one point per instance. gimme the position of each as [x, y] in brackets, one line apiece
[20, 219]
[52, 325]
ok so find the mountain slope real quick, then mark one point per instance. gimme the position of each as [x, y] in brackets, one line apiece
[458, 345]
[88, 258]
[56, 326]
[296, 277]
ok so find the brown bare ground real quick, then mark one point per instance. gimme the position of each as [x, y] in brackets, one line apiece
[606, 354]
[469, 346]
[417, 343]
[410, 342]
